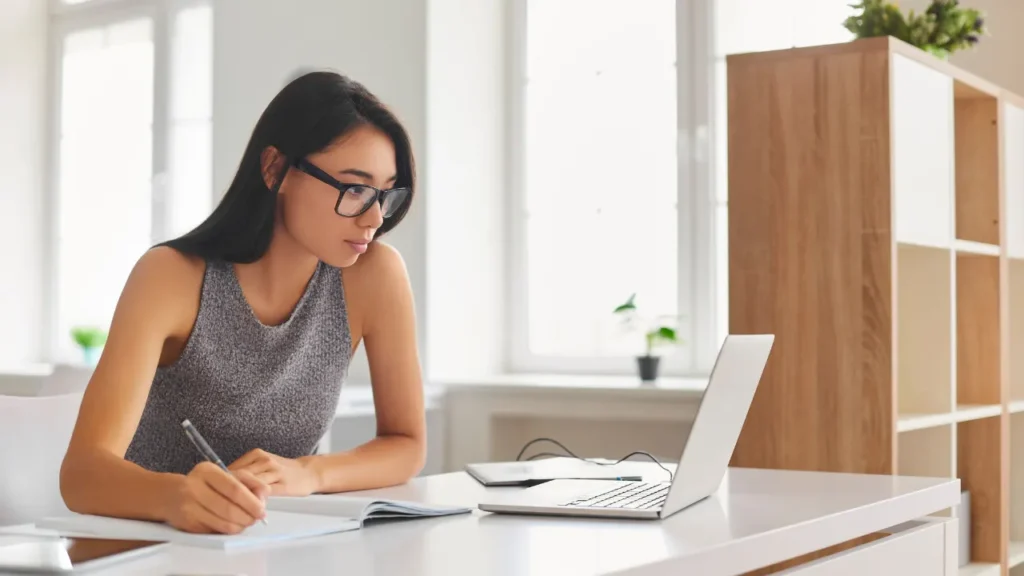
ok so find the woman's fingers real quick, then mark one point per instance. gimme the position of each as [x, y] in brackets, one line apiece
[258, 483]
[230, 499]
[211, 522]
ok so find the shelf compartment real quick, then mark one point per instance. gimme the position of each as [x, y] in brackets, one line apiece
[1016, 489]
[976, 157]
[924, 327]
[1013, 183]
[978, 330]
[978, 458]
[926, 452]
[1016, 316]
[922, 120]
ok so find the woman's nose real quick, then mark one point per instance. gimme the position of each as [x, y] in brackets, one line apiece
[373, 217]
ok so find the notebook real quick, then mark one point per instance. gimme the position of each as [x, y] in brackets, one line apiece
[280, 526]
[362, 509]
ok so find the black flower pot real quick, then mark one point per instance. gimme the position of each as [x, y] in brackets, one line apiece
[648, 366]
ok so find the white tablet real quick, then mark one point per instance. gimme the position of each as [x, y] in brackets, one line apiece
[68, 555]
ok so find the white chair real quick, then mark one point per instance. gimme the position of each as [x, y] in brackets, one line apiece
[34, 435]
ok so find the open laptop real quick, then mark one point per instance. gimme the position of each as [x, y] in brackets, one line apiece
[702, 466]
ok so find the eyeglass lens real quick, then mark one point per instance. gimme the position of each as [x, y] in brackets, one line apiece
[357, 198]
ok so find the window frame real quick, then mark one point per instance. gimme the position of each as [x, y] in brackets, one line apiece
[65, 19]
[698, 294]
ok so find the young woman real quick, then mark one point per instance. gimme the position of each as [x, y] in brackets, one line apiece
[246, 325]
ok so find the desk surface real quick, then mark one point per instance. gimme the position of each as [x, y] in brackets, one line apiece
[757, 518]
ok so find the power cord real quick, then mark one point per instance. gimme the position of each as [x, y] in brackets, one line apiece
[570, 453]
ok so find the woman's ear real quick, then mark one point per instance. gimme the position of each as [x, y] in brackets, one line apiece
[271, 166]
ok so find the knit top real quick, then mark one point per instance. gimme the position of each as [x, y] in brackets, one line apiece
[244, 384]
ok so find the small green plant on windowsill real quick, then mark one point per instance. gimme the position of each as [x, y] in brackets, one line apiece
[942, 29]
[656, 332]
[91, 340]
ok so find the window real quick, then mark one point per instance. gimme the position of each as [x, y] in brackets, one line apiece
[598, 214]
[620, 164]
[131, 162]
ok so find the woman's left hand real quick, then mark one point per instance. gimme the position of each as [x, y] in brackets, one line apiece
[285, 476]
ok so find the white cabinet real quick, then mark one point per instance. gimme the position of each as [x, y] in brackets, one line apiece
[1013, 149]
[922, 153]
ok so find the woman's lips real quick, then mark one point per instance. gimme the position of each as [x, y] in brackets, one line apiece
[358, 247]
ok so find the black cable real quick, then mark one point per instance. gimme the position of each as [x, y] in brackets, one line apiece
[570, 453]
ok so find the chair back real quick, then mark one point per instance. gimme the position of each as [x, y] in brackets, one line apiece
[34, 435]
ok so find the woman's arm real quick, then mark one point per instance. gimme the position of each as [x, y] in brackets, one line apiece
[161, 293]
[388, 326]
[381, 310]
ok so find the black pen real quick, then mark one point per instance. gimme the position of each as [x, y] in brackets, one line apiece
[200, 443]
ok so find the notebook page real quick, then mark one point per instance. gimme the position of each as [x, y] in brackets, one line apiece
[280, 526]
[357, 507]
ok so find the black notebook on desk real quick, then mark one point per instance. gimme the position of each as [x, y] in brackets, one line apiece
[532, 472]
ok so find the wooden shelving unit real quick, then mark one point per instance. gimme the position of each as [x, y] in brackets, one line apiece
[876, 227]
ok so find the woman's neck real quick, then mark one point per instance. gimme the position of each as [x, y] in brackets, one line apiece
[277, 281]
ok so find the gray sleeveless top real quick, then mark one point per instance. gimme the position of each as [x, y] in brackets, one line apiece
[246, 385]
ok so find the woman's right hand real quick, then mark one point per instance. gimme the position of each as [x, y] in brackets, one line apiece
[210, 500]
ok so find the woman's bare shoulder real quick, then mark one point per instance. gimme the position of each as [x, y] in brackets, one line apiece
[168, 270]
[378, 278]
[166, 280]
[382, 268]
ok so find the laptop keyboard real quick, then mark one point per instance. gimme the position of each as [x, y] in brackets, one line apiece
[632, 495]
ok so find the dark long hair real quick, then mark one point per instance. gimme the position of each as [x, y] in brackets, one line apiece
[307, 115]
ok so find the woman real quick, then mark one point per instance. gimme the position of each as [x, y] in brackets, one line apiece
[246, 325]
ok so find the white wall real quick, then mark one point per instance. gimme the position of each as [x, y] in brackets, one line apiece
[23, 107]
[466, 120]
[259, 44]
[997, 56]
[438, 64]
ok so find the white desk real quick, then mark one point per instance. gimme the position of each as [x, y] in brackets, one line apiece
[757, 518]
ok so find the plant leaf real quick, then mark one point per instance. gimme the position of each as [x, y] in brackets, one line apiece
[627, 306]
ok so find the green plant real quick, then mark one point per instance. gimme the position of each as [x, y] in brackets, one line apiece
[655, 334]
[89, 337]
[942, 29]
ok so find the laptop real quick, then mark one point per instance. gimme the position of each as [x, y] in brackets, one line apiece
[533, 472]
[702, 465]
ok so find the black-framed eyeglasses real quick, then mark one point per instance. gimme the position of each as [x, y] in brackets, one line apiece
[355, 199]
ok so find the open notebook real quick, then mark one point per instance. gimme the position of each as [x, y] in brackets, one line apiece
[280, 526]
[359, 508]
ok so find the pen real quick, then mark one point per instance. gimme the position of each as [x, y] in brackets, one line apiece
[630, 478]
[200, 443]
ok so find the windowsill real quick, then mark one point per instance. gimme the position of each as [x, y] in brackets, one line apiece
[357, 397]
[43, 379]
[667, 386]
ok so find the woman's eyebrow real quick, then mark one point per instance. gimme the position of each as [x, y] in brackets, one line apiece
[365, 174]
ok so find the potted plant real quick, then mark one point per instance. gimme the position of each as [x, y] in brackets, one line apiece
[655, 332]
[91, 340]
[943, 28]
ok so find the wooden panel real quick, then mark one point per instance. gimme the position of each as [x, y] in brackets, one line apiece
[810, 258]
[979, 374]
[979, 466]
[922, 153]
[977, 169]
